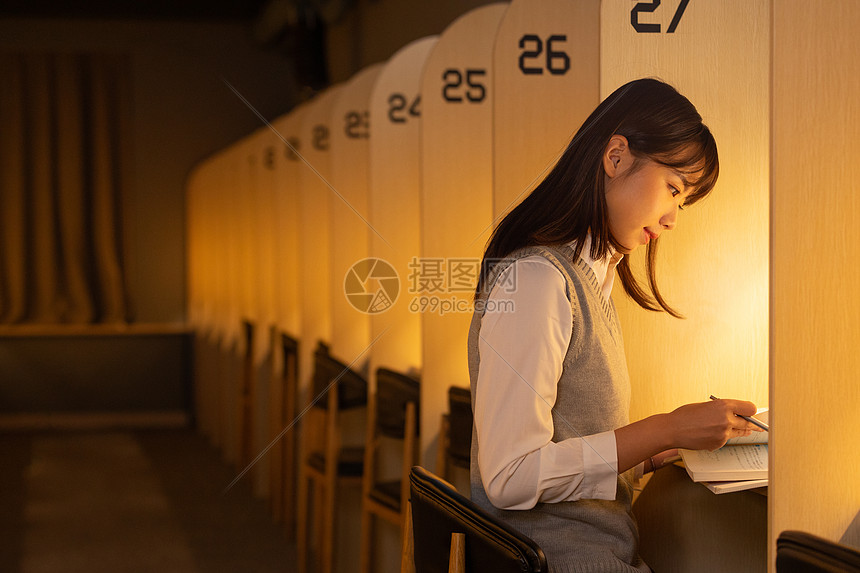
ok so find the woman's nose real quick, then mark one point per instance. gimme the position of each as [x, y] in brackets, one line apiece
[669, 219]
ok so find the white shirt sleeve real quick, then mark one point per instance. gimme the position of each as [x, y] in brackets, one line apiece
[523, 341]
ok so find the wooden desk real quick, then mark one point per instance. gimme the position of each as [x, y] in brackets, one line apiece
[684, 527]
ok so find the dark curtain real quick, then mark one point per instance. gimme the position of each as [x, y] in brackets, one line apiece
[63, 128]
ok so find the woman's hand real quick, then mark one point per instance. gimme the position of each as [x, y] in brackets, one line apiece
[707, 425]
[703, 426]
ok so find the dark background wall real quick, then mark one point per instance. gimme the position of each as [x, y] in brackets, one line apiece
[182, 112]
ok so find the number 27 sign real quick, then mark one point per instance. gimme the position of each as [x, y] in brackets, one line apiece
[651, 28]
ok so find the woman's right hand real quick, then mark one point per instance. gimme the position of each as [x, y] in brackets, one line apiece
[708, 425]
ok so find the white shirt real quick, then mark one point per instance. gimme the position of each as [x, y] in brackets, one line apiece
[521, 362]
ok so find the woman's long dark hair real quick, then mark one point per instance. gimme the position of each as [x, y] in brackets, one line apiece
[661, 125]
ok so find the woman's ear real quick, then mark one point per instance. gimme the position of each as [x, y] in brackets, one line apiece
[616, 156]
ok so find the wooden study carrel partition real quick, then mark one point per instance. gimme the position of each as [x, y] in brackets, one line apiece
[814, 302]
[394, 213]
[281, 146]
[456, 197]
[350, 232]
[288, 148]
[762, 268]
[546, 79]
[713, 266]
[314, 223]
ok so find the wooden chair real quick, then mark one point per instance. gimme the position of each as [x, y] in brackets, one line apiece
[393, 414]
[801, 552]
[326, 464]
[247, 397]
[455, 436]
[282, 415]
[447, 532]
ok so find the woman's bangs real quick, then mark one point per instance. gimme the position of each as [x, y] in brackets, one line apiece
[699, 164]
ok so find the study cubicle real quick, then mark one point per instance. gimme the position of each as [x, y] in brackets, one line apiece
[467, 123]
[719, 282]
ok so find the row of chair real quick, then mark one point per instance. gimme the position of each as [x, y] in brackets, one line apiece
[327, 462]
[392, 412]
[442, 530]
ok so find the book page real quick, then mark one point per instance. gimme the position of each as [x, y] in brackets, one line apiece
[727, 463]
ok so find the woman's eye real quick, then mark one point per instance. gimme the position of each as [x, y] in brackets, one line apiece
[675, 193]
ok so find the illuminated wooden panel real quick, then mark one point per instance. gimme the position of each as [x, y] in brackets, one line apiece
[314, 253]
[234, 164]
[232, 344]
[395, 217]
[268, 233]
[196, 188]
[815, 306]
[278, 220]
[713, 266]
[217, 276]
[288, 149]
[217, 284]
[395, 106]
[253, 193]
[350, 228]
[277, 225]
[203, 283]
[546, 79]
[456, 197]
[247, 391]
[248, 160]
[253, 390]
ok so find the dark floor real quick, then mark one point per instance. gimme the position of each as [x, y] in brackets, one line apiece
[130, 501]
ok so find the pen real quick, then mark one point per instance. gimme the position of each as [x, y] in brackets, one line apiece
[761, 425]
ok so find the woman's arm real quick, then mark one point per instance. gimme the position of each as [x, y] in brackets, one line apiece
[521, 359]
[700, 426]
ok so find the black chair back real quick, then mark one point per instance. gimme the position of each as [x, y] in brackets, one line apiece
[351, 386]
[438, 510]
[800, 552]
[394, 390]
[460, 426]
[289, 345]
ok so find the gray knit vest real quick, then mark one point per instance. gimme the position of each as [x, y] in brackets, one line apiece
[593, 396]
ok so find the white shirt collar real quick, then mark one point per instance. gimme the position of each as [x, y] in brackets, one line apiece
[603, 269]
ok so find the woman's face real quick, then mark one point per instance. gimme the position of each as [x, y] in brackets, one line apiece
[642, 201]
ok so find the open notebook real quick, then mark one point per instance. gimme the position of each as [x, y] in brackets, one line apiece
[740, 464]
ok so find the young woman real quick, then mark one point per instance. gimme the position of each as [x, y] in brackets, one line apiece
[553, 452]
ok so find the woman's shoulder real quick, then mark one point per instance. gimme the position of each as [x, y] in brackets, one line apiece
[530, 276]
[559, 258]
[536, 269]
